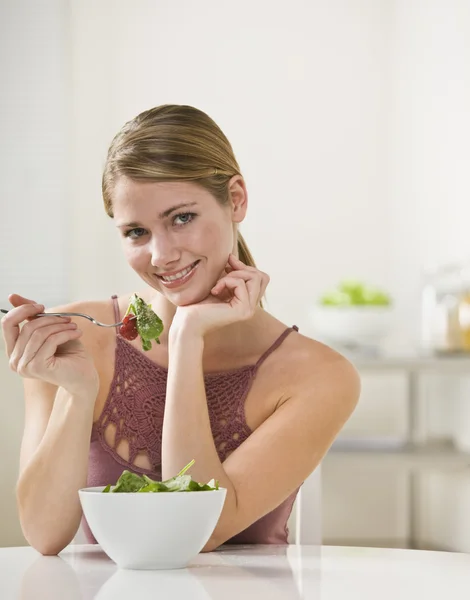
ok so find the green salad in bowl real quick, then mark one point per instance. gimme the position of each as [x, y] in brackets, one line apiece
[131, 482]
[142, 523]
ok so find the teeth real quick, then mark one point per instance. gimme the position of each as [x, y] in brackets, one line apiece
[178, 275]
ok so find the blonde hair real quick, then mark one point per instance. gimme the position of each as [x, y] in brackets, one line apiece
[174, 143]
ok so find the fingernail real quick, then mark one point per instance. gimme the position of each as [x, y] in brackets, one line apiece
[39, 306]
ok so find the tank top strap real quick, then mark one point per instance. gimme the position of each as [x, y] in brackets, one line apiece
[117, 315]
[276, 344]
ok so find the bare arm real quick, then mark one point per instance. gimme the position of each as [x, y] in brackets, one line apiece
[276, 458]
[61, 384]
[53, 464]
[186, 431]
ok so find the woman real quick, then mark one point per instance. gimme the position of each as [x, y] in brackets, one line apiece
[254, 402]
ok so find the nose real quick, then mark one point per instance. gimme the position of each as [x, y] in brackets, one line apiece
[164, 251]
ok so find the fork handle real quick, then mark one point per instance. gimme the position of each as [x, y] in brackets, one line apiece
[4, 311]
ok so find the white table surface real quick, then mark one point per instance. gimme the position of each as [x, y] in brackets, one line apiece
[241, 573]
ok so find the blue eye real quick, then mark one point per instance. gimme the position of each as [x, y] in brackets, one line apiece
[135, 234]
[184, 219]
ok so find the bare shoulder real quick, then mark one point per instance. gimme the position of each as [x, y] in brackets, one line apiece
[310, 369]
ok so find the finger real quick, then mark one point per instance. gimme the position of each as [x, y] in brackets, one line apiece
[18, 300]
[28, 345]
[245, 269]
[30, 327]
[241, 296]
[237, 289]
[256, 282]
[240, 267]
[265, 279]
[237, 264]
[218, 286]
[45, 353]
[245, 275]
[11, 323]
[254, 290]
[252, 282]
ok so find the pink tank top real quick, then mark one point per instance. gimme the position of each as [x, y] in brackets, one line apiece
[135, 406]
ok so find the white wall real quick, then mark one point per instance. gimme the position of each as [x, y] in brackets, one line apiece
[34, 149]
[428, 207]
[34, 193]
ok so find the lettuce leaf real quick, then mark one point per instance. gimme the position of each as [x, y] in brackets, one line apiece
[131, 482]
[149, 324]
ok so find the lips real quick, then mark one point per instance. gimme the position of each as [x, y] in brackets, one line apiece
[178, 274]
[178, 277]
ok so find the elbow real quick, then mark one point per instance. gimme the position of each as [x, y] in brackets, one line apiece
[211, 545]
[48, 544]
[41, 529]
[48, 550]
[226, 526]
[217, 539]
[44, 537]
[46, 547]
[46, 540]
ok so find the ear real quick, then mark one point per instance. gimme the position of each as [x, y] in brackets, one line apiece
[238, 198]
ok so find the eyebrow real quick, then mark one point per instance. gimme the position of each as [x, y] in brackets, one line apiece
[168, 211]
[162, 215]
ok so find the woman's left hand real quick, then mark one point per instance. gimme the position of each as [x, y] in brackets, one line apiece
[234, 297]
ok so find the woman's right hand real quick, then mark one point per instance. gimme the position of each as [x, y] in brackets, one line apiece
[47, 348]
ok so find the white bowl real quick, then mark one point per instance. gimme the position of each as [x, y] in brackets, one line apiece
[351, 325]
[152, 530]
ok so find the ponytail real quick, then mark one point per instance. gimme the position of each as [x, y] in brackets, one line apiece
[245, 255]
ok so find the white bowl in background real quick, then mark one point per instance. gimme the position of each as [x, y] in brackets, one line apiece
[152, 530]
[351, 325]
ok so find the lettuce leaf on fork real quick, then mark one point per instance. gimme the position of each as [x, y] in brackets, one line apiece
[149, 324]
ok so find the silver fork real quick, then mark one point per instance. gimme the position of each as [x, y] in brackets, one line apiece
[73, 314]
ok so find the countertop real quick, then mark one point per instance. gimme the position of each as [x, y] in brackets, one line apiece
[240, 572]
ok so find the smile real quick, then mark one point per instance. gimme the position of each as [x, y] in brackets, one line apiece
[179, 277]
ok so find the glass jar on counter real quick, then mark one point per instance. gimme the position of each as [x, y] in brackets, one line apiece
[446, 309]
[464, 319]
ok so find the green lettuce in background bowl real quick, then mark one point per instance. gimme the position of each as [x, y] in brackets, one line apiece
[355, 293]
[353, 315]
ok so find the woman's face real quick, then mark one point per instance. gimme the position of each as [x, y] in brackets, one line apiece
[176, 236]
